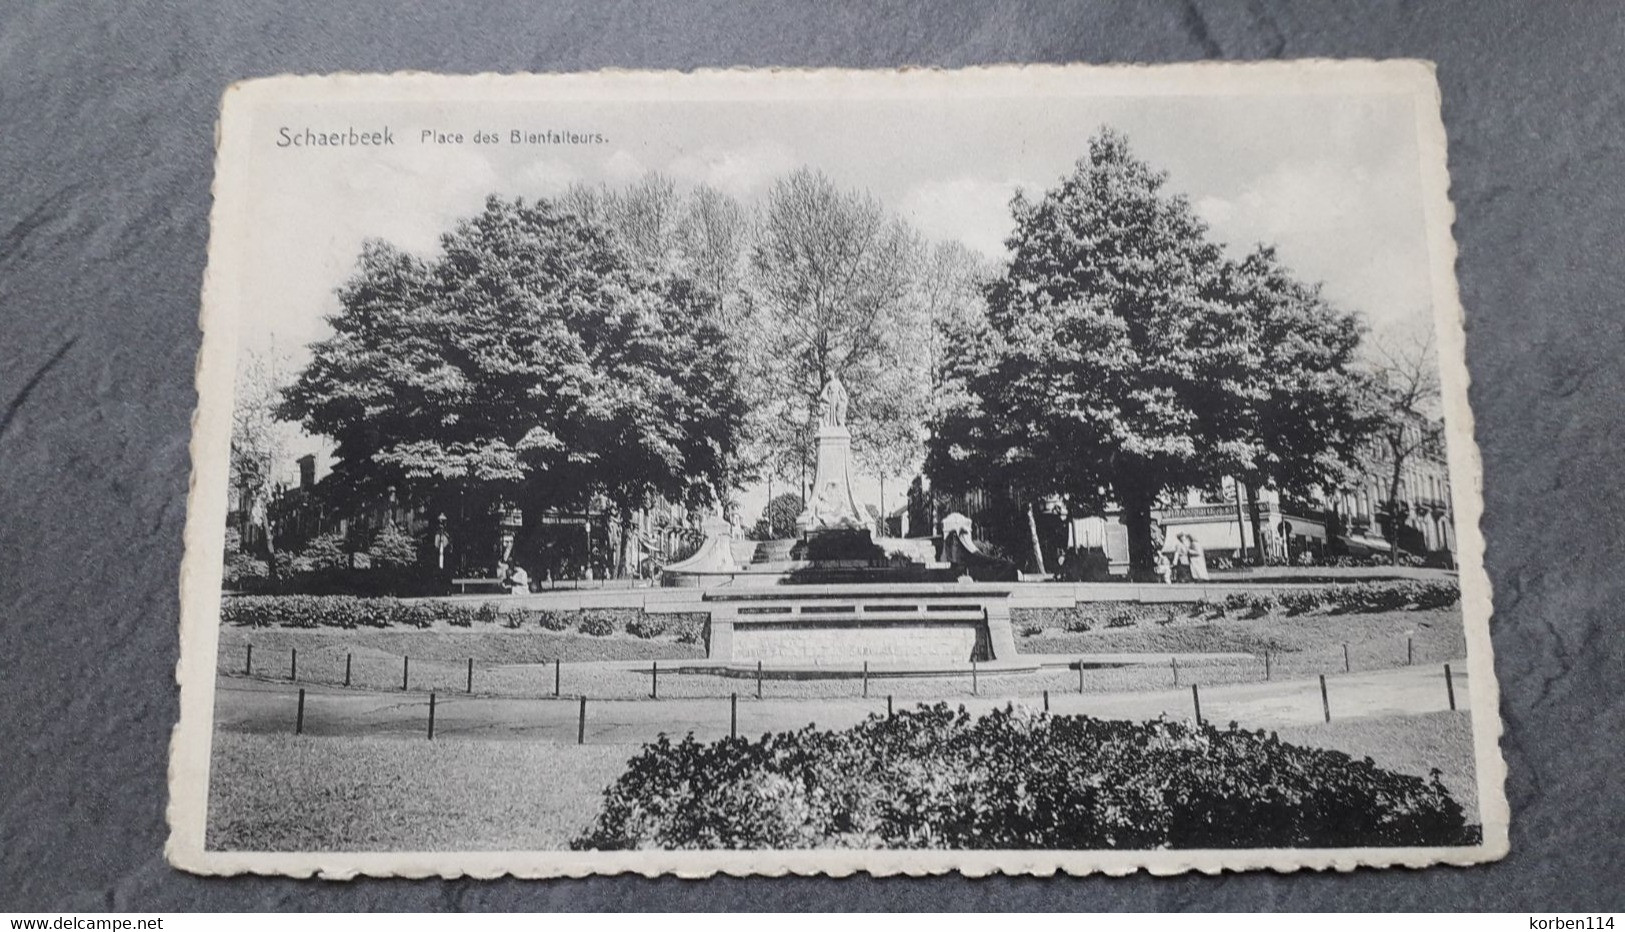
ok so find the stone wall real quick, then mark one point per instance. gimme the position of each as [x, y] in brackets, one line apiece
[851, 643]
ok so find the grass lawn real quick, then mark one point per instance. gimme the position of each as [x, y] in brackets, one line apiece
[286, 793]
[283, 793]
[1413, 744]
[1303, 644]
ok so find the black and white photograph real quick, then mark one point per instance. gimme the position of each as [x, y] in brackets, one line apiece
[1006, 470]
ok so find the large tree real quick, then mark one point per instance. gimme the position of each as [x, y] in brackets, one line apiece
[259, 445]
[534, 360]
[1404, 409]
[831, 275]
[1116, 363]
[1301, 418]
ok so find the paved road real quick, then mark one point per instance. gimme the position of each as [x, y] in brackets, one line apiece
[258, 707]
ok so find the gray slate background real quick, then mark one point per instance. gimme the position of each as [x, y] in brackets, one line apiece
[105, 165]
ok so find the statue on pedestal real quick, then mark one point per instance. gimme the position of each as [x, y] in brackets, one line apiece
[832, 505]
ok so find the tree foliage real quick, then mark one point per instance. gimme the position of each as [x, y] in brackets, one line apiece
[533, 359]
[1122, 357]
[832, 279]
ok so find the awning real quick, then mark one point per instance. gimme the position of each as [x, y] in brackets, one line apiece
[1360, 545]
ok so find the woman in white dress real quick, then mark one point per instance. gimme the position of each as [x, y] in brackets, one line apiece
[1198, 559]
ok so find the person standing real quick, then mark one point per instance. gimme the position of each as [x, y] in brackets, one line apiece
[1181, 560]
[1197, 559]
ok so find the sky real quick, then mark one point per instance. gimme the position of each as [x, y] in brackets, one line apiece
[1333, 181]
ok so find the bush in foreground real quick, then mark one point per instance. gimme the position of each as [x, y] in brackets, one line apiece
[1014, 779]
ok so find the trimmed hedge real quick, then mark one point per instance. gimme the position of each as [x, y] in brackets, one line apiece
[1015, 779]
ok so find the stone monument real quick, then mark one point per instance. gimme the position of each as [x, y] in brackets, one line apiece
[832, 506]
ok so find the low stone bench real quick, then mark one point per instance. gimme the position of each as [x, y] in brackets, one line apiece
[844, 624]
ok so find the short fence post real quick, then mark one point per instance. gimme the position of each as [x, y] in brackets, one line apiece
[1046, 700]
[888, 705]
[654, 679]
[347, 669]
[975, 687]
[733, 715]
[1410, 654]
[406, 672]
[431, 716]
[1345, 658]
[581, 723]
[1174, 661]
[1325, 703]
[758, 679]
[1196, 700]
[555, 677]
[248, 664]
[866, 679]
[293, 664]
[1080, 676]
[1266, 665]
[299, 717]
[1450, 687]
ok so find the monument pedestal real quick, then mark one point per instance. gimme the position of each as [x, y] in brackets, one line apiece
[832, 506]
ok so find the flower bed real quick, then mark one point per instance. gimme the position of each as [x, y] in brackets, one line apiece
[347, 611]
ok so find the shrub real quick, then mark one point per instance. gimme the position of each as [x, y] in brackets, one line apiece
[597, 624]
[392, 548]
[646, 626]
[1077, 624]
[1030, 630]
[1302, 601]
[1015, 779]
[415, 614]
[554, 621]
[323, 552]
[457, 614]
[1123, 619]
[488, 612]
[1236, 602]
[1261, 604]
[1438, 593]
[1202, 608]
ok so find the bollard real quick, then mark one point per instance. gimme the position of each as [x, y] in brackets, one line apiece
[431, 716]
[299, 718]
[866, 679]
[654, 679]
[1345, 658]
[581, 723]
[406, 672]
[347, 669]
[758, 679]
[888, 706]
[1080, 676]
[293, 664]
[1266, 666]
[1410, 655]
[733, 715]
[470, 688]
[1325, 704]
[1046, 700]
[555, 677]
[248, 664]
[1196, 700]
[1175, 662]
[974, 686]
[1450, 687]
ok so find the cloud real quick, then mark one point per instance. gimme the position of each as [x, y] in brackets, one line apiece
[1336, 223]
[623, 168]
[741, 171]
[974, 211]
